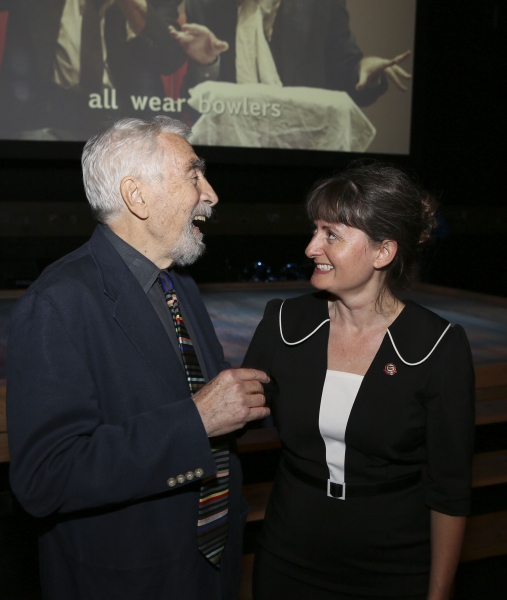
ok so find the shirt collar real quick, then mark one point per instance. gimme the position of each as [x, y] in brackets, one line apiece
[142, 268]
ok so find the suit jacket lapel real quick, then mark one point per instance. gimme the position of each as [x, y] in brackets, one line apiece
[135, 314]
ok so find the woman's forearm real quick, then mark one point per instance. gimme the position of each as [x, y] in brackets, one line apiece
[446, 539]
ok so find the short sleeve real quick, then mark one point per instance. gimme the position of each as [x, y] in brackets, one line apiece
[450, 425]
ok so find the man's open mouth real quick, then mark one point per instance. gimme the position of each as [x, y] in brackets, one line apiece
[198, 220]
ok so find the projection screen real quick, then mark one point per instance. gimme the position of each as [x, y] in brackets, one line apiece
[330, 75]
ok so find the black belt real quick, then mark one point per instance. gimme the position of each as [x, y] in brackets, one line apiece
[340, 490]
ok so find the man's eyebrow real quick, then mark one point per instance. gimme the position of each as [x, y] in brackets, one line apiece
[198, 164]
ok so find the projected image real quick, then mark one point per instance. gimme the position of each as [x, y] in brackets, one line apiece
[293, 74]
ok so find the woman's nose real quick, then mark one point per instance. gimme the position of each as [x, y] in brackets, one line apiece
[313, 248]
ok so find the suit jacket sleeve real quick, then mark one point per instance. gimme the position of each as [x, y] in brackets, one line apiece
[65, 455]
[450, 409]
[153, 51]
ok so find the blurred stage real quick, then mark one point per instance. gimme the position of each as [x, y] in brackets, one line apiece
[237, 308]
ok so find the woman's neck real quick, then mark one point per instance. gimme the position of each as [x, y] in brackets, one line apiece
[365, 313]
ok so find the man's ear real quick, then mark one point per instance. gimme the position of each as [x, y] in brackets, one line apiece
[132, 194]
[386, 253]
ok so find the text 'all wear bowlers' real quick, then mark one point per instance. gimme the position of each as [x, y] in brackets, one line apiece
[212, 524]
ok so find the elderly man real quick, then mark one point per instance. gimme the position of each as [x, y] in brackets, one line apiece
[118, 404]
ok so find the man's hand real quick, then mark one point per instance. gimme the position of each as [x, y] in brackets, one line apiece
[372, 67]
[232, 399]
[135, 12]
[199, 43]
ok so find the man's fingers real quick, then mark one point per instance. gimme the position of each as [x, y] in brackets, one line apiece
[181, 36]
[388, 63]
[174, 33]
[252, 387]
[401, 57]
[203, 31]
[399, 71]
[258, 413]
[255, 400]
[221, 46]
[395, 79]
[372, 67]
[251, 375]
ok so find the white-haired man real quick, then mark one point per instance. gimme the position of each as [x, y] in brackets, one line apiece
[118, 402]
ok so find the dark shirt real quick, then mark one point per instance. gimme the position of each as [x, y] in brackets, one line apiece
[147, 274]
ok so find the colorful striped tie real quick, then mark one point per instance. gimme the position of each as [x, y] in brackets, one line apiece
[212, 524]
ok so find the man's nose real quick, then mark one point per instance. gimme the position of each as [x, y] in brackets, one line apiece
[208, 194]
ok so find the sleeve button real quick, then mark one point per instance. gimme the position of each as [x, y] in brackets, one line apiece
[171, 482]
[180, 479]
[199, 472]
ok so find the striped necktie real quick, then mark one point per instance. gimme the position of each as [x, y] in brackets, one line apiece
[212, 524]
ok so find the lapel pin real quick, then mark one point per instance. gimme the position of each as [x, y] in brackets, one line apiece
[390, 369]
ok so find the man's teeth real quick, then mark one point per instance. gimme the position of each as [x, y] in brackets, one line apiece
[322, 267]
[199, 218]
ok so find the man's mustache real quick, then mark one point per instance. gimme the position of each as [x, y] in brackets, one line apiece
[203, 209]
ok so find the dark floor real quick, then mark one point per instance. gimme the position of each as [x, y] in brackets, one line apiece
[482, 579]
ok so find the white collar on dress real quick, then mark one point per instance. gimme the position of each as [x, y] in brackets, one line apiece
[390, 337]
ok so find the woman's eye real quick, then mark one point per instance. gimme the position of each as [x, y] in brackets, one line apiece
[331, 235]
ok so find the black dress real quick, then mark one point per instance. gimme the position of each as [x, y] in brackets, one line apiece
[420, 416]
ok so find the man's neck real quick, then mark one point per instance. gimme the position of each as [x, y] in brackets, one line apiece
[141, 242]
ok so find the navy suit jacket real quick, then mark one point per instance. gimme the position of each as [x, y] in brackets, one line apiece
[100, 417]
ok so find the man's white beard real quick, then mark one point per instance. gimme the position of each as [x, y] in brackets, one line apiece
[190, 245]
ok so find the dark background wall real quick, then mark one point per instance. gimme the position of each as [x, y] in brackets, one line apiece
[457, 151]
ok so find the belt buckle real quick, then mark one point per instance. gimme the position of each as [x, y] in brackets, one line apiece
[330, 494]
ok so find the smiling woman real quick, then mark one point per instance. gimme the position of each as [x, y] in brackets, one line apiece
[365, 390]
[387, 207]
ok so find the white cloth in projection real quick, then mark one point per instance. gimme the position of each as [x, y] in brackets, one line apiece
[269, 116]
[254, 61]
[67, 65]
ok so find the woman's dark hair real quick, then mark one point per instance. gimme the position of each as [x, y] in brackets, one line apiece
[385, 204]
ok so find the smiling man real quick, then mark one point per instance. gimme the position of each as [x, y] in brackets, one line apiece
[119, 407]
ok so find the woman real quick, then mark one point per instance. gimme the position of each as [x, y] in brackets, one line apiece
[373, 400]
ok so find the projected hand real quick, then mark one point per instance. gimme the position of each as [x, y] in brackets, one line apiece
[372, 67]
[199, 43]
[135, 12]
